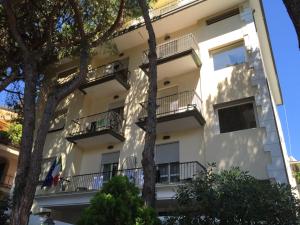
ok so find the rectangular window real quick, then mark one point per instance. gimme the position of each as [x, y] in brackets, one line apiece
[167, 160]
[109, 165]
[59, 120]
[229, 56]
[237, 117]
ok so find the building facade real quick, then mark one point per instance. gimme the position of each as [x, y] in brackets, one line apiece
[8, 152]
[217, 96]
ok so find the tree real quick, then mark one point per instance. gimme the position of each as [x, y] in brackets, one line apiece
[148, 163]
[34, 35]
[293, 8]
[118, 203]
[5, 205]
[235, 197]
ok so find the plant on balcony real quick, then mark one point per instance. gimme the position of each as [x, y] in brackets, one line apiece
[118, 203]
[235, 197]
[15, 133]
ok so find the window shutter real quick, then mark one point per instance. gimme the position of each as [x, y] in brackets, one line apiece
[110, 158]
[167, 153]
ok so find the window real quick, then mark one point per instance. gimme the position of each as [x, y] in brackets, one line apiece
[109, 165]
[229, 56]
[167, 160]
[58, 123]
[223, 16]
[238, 117]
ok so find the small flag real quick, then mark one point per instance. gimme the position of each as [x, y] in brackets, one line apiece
[56, 172]
[49, 179]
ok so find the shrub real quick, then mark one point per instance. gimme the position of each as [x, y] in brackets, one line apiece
[234, 197]
[118, 203]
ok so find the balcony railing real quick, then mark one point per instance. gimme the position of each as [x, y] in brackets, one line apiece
[116, 68]
[173, 104]
[102, 121]
[174, 47]
[93, 182]
[7, 181]
[164, 10]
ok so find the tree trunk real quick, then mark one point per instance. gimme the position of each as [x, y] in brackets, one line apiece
[148, 163]
[293, 8]
[19, 204]
[31, 154]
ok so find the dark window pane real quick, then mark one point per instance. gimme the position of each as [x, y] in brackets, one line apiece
[163, 173]
[237, 118]
[174, 172]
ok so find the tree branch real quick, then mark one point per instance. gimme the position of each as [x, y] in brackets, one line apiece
[13, 25]
[7, 80]
[117, 23]
[78, 18]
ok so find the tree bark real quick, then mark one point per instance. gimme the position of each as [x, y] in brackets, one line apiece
[293, 8]
[35, 132]
[31, 154]
[148, 163]
[21, 205]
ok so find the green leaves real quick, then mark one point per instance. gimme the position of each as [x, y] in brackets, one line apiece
[235, 197]
[15, 133]
[118, 203]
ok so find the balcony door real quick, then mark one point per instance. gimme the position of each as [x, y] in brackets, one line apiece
[167, 101]
[109, 165]
[167, 161]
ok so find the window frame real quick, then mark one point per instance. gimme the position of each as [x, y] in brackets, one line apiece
[235, 103]
[227, 47]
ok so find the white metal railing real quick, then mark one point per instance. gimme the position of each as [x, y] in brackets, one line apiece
[174, 47]
[186, 171]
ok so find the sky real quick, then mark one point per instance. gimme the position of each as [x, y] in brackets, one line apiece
[287, 58]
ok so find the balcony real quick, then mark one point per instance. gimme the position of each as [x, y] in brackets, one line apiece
[170, 18]
[97, 129]
[180, 173]
[113, 77]
[176, 112]
[6, 183]
[175, 57]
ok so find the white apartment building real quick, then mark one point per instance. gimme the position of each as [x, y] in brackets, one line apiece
[217, 96]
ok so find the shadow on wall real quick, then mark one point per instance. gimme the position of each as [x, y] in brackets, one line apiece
[134, 135]
[242, 148]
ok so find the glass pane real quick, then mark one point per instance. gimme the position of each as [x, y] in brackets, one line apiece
[106, 170]
[237, 118]
[174, 172]
[229, 57]
[114, 169]
[163, 173]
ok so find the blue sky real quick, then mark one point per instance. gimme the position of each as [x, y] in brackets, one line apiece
[287, 57]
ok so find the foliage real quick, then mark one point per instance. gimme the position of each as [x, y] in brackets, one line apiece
[15, 133]
[118, 203]
[235, 197]
[5, 205]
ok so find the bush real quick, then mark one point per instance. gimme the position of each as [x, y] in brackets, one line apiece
[15, 133]
[235, 197]
[118, 203]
